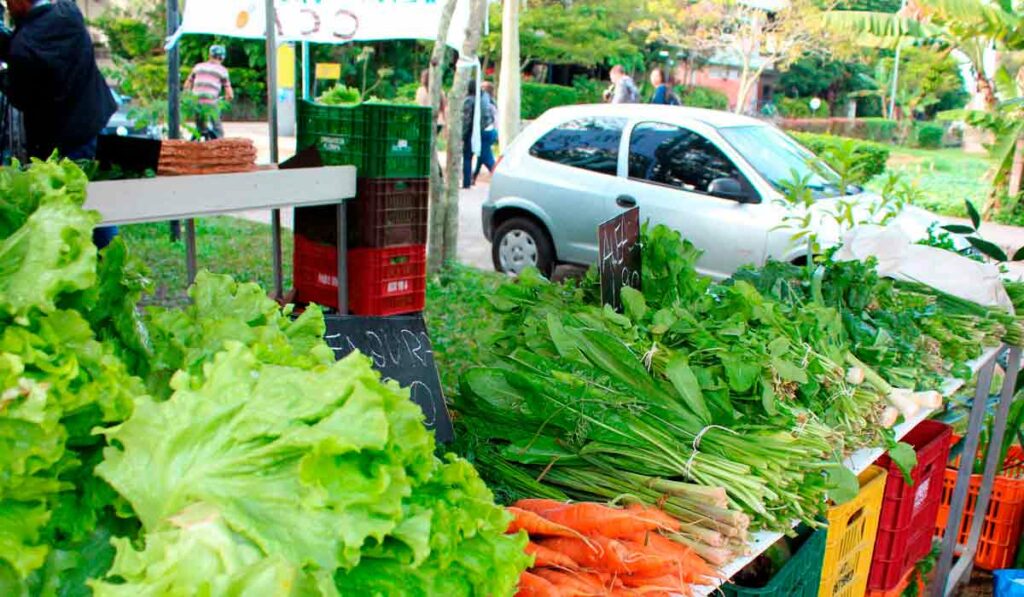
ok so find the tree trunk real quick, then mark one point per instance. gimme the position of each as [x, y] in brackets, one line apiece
[1017, 170]
[510, 81]
[435, 240]
[458, 97]
[747, 79]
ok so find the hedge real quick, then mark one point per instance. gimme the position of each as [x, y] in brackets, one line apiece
[538, 98]
[929, 135]
[800, 107]
[870, 157]
[702, 97]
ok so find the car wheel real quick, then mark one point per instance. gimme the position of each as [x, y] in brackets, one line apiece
[520, 243]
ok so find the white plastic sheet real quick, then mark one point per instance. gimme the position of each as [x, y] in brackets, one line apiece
[902, 259]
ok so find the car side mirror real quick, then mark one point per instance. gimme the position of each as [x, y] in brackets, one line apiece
[729, 188]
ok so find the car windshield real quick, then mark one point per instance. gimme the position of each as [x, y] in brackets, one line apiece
[778, 158]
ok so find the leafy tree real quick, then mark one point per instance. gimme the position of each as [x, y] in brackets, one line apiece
[750, 36]
[821, 76]
[586, 33]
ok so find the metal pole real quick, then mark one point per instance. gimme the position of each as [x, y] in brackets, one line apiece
[173, 93]
[962, 570]
[896, 67]
[190, 250]
[307, 83]
[271, 34]
[342, 260]
[963, 477]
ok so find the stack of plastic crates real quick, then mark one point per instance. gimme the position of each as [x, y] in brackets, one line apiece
[387, 221]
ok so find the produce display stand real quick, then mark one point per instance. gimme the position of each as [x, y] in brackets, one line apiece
[188, 197]
[859, 461]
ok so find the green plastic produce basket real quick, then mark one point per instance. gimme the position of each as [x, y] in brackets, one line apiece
[337, 131]
[398, 138]
[381, 140]
[799, 577]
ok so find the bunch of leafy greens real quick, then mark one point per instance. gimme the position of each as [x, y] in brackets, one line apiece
[320, 467]
[256, 464]
[66, 321]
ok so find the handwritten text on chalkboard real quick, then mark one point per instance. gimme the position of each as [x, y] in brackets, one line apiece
[619, 242]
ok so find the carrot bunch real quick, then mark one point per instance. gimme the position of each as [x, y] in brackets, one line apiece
[587, 549]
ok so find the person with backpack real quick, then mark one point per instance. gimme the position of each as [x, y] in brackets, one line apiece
[623, 89]
[486, 121]
[663, 93]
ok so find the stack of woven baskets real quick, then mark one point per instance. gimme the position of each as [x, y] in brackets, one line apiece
[178, 158]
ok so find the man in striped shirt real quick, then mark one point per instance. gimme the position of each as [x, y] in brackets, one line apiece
[207, 81]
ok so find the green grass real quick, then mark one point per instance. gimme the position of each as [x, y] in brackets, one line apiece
[224, 245]
[945, 176]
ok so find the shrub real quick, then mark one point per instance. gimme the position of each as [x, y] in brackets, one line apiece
[870, 158]
[589, 91]
[881, 130]
[128, 38]
[929, 136]
[538, 98]
[702, 97]
[407, 92]
[800, 107]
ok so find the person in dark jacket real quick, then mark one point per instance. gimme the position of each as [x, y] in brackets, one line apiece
[52, 78]
[486, 120]
[662, 91]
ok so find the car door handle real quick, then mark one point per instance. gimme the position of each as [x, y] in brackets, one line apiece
[625, 201]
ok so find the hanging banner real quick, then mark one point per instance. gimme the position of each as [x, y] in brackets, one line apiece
[325, 21]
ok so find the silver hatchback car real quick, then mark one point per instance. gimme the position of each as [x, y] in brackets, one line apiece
[714, 176]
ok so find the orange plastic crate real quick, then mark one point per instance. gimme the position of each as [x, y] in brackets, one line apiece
[1004, 521]
[897, 591]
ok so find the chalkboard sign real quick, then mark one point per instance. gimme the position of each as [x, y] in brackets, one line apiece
[400, 349]
[619, 243]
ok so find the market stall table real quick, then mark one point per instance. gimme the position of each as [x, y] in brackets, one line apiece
[187, 197]
[858, 462]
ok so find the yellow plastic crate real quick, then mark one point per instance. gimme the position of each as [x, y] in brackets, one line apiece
[852, 528]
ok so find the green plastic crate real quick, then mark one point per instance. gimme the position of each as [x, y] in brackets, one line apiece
[799, 577]
[381, 140]
[398, 141]
[337, 131]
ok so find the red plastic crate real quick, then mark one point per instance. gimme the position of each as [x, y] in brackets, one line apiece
[909, 511]
[382, 282]
[389, 212]
[389, 281]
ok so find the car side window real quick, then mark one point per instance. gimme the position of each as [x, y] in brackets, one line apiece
[587, 143]
[674, 156]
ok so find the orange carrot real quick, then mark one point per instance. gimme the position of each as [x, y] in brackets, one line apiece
[573, 584]
[589, 518]
[646, 585]
[608, 555]
[681, 560]
[539, 505]
[531, 585]
[536, 525]
[664, 520]
[544, 557]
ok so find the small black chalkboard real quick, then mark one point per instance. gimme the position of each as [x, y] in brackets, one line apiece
[400, 349]
[620, 256]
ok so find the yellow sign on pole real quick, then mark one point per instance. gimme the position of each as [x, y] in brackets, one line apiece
[328, 70]
[286, 66]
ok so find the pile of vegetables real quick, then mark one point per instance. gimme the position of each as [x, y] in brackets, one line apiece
[217, 449]
[590, 549]
[730, 405]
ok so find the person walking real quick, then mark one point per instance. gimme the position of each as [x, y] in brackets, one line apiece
[663, 93]
[207, 81]
[53, 79]
[489, 134]
[468, 107]
[423, 99]
[623, 89]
